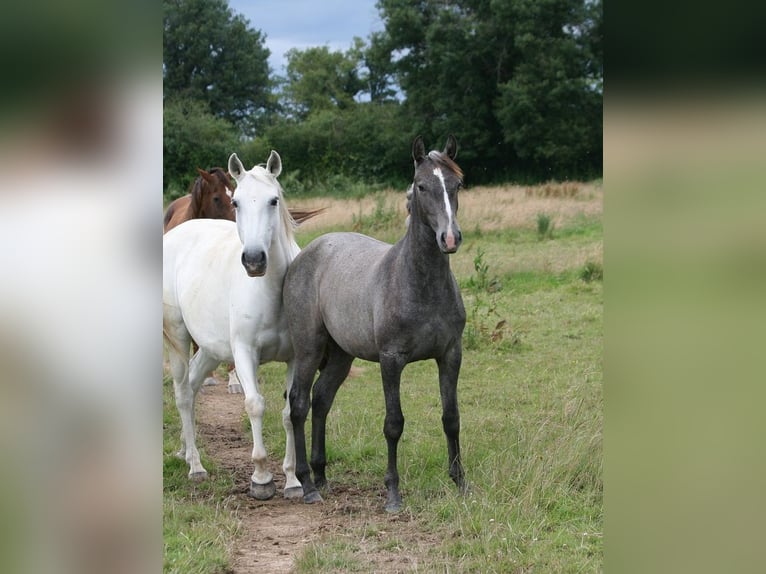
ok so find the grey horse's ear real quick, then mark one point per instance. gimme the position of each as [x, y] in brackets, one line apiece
[274, 164]
[451, 148]
[236, 169]
[418, 150]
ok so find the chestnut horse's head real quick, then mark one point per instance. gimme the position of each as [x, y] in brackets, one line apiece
[211, 195]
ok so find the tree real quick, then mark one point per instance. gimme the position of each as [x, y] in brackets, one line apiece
[319, 80]
[212, 56]
[551, 107]
[518, 81]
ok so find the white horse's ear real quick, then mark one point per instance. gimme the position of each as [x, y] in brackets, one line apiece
[274, 164]
[236, 169]
[418, 150]
[451, 148]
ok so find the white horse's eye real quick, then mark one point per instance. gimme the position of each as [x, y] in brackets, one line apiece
[274, 202]
[234, 203]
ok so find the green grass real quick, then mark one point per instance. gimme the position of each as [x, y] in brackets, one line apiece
[531, 418]
[198, 528]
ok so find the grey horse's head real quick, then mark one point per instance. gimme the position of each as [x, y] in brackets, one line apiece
[432, 197]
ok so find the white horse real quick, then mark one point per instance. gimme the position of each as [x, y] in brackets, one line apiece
[222, 288]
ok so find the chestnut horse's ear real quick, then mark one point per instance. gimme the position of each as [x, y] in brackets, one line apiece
[274, 164]
[418, 150]
[236, 169]
[451, 148]
[207, 176]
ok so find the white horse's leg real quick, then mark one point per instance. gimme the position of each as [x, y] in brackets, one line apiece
[200, 364]
[246, 360]
[179, 370]
[293, 488]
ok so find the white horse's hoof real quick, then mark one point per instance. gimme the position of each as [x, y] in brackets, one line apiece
[235, 389]
[262, 491]
[198, 476]
[293, 492]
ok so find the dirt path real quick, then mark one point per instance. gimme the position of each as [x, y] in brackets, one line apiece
[274, 532]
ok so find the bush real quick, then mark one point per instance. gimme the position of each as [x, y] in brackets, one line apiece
[192, 137]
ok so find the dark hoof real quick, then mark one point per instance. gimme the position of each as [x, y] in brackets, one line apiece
[312, 497]
[393, 503]
[262, 491]
[198, 476]
[293, 492]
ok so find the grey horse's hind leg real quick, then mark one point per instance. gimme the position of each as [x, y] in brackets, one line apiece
[330, 379]
[306, 365]
[449, 369]
[391, 366]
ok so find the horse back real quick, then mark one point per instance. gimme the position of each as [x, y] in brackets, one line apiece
[176, 213]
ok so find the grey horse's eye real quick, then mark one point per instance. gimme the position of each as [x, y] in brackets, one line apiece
[234, 203]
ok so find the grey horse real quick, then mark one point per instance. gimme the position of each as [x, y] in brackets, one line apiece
[347, 295]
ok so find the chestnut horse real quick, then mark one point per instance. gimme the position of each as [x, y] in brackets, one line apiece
[209, 198]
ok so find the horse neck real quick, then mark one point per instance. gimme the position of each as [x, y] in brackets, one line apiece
[282, 251]
[422, 253]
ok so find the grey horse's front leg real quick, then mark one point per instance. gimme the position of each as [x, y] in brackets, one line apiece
[449, 370]
[391, 366]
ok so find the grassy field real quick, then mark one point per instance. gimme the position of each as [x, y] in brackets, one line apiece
[530, 269]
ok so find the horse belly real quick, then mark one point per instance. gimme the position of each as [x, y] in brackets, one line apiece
[350, 323]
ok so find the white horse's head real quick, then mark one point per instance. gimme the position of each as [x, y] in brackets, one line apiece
[257, 204]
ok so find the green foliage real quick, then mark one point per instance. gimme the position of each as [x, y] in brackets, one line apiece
[214, 57]
[364, 142]
[519, 81]
[318, 80]
[544, 226]
[592, 271]
[192, 138]
[484, 325]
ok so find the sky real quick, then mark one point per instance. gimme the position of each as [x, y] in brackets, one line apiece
[306, 23]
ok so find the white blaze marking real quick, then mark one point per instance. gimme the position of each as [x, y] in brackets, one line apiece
[450, 238]
[438, 173]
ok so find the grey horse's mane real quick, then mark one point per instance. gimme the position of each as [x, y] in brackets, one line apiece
[446, 161]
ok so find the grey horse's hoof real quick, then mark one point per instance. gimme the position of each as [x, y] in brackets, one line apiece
[198, 476]
[262, 491]
[209, 382]
[393, 507]
[293, 492]
[312, 498]
[234, 389]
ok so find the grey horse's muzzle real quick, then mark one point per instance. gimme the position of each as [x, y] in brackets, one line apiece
[450, 240]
